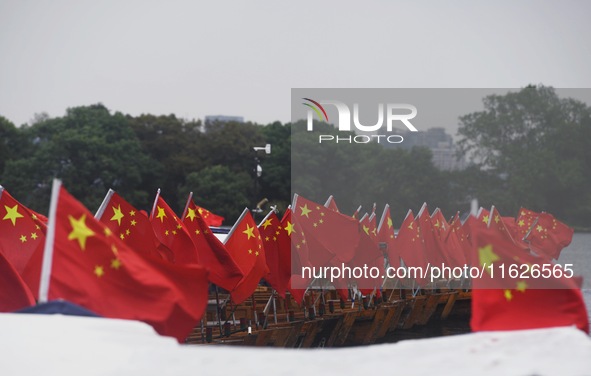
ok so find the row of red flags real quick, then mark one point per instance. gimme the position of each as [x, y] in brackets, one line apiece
[486, 240]
[126, 264]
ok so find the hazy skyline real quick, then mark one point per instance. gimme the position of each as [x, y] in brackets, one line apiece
[242, 58]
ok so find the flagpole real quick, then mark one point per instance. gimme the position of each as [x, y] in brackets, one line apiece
[383, 217]
[155, 202]
[533, 225]
[236, 225]
[492, 209]
[187, 205]
[327, 203]
[293, 202]
[217, 303]
[266, 217]
[422, 209]
[356, 212]
[49, 241]
[101, 209]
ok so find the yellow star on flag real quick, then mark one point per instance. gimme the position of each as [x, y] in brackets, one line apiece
[521, 223]
[390, 224]
[23, 238]
[34, 235]
[486, 256]
[117, 215]
[267, 223]
[366, 229]
[80, 231]
[289, 228]
[249, 232]
[508, 295]
[161, 214]
[99, 271]
[12, 214]
[305, 210]
[521, 286]
[191, 214]
[115, 263]
[485, 219]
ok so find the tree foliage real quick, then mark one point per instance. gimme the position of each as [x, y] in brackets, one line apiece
[533, 145]
[90, 149]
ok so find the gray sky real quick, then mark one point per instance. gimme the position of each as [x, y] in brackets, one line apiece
[242, 58]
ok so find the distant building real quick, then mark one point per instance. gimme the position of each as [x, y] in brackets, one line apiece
[223, 119]
[439, 142]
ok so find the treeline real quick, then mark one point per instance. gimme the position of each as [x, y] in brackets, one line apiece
[92, 150]
[529, 148]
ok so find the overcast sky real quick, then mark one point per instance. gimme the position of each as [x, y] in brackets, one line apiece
[242, 58]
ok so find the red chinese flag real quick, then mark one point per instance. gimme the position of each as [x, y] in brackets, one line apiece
[132, 227]
[454, 253]
[14, 293]
[456, 241]
[91, 267]
[368, 254]
[270, 228]
[340, 285]
[284, 270]
[549, 236]
[245, 245]
[369, 226]
[329, 234]
[386, 238]
[171, 232]
[497, 222]
[439, 222]
[212, 220]
[223, 271]
[483, 216]
[291, 263]
[525, 221]
[409, 242]
[432, 246]
[21, 232]
[478, 221]
[522, 300]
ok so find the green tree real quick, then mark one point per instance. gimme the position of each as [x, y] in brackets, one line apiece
[177, 145]
[9, 142]
[89, 148]
[220, 190]
[231, 144]
[276, 177]
[534, 143]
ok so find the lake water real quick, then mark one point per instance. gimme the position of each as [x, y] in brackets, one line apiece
[578, 253]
